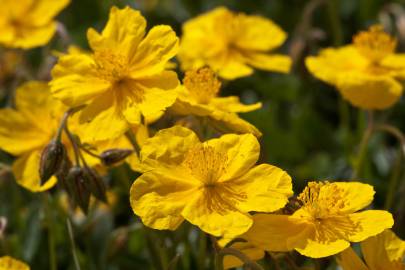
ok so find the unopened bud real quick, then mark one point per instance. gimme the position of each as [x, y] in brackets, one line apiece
[95, 183]
[77, 186]
[112, 156]
[51, 160]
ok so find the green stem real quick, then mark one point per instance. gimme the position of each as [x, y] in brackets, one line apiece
[51, 236]
[131, 137]
[362, 153]
[394, 180]
[72, 244]
[336, 27]
[202, 250]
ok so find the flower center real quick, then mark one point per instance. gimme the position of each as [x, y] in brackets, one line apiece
[374, 44]
[206, 164]
[202, 84]
[111, 66]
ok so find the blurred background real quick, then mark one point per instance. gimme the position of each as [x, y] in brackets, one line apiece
[308, 130]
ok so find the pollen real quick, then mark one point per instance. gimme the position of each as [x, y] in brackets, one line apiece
[375, 44]
[111, 66]
[202, 84]
[206, 164]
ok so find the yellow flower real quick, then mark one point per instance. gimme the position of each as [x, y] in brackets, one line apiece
[213, 184]
[123, 78]
[28, 23]
[9, 263]
[366, 73]
[26, 130]
[326, 222]
[199, 96]
[232, 43]
[382, 252]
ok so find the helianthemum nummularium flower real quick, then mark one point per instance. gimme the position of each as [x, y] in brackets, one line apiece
[232, 44]
[28, 23]
[199, 96]
[9, 263]
[212, 184]
[382, 252]
[27, 129]
[325, 224]
[123, 78]
[367, 72]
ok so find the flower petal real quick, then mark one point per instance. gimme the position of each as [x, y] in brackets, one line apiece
[349, 260]
[274, 232]
[74, 79]
[232, 123]
[355, 195]
[370, 223]
[242, 152]
[257, 33]
[270, 62]
[267, 189]
[123, 32]
[233, 104]
[29, 37]
[252, 252]
[158, 47]
[369, 91]
[43, 11]
[168, 146]
[228, 223]
[26, 172]
[396, 64]
[159, 197]
[10, 263]
[315, 249]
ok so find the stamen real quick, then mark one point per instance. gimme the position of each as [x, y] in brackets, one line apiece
[375, 44]
[111, 66]
[202, 84]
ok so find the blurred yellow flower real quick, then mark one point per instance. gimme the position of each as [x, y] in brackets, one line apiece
[213, 184]
[382, 252]
[232, 43]
[9, 263]
[28, 23]
[199, 96]
[367, 72]
[26, 130]
[123, 78]
[326, 222]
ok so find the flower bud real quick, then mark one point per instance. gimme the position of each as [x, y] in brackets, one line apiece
[51, 160]
[112, 156]
[77, 187]
[95, 183]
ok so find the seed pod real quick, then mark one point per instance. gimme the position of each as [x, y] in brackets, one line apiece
[51, 160]
[63, 173]
[112, 156]
[95, 183]
[78, 188]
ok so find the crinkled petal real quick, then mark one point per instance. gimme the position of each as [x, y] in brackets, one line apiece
[316, 249]
[154, 51]
[242, 153]
[349, 260]
[74, 80]
[355, 195]
[331, 63]
[269, 62]
[9, 263]
[159, 196]
[232, 123]
[252, 252]
[26, 172]
[232, 68]
[257, 33]
[396, 64]
[370, 223]
[168, 146]
[124, 31]
[43, 11]
[228, 223]
[18, 134]
[102, 119]
[274, 232]
[233, 104]
[369, 91]
[267, 189]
